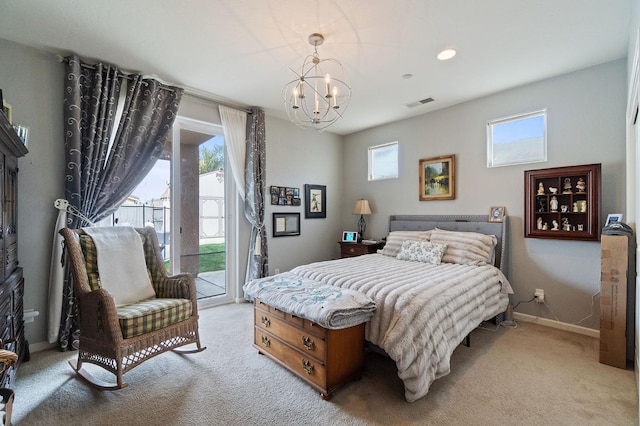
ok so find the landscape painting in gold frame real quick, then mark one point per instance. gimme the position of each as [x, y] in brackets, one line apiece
[437, 178]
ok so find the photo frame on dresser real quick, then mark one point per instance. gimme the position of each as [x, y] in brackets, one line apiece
[6, 108]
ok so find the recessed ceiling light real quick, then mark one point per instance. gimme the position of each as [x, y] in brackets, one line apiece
[447, 54]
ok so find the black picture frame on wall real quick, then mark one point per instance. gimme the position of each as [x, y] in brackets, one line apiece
[315, 201]
[286, 224]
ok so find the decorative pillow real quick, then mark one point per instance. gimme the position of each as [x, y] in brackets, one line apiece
[465, 248]
[396, 238]
[422, 251]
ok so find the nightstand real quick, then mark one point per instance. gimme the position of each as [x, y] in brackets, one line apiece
[358, 249]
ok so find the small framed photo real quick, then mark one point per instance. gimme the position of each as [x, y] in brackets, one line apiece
[23, 133]
[437, 178]
[315, 201]
[6, 108]
[496, 214]
[286, 224]
[613, 218]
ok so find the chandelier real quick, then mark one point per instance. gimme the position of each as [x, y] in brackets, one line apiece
[320, 93]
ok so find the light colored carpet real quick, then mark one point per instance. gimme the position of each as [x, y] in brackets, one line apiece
[531, 375]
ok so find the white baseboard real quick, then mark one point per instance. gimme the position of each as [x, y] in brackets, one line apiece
[557, 324]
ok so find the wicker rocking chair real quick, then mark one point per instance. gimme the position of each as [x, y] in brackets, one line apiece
[119, 338]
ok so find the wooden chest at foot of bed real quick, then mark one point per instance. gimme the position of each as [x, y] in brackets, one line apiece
[324, 358]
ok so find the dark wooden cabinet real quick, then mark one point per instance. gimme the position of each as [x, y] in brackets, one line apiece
[11, 275]
[358, 249]
[563, 203]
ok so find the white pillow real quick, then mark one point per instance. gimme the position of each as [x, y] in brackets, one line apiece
[465, 248]
[396, 238]
[422, 251]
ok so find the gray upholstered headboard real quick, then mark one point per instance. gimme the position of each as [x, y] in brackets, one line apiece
[467, 223]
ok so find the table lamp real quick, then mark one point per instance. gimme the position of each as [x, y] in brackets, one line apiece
[361, 208]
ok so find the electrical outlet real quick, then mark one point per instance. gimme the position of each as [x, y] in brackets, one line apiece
[539, 295]
[277, 271]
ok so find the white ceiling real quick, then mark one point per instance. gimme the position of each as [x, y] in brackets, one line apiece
[240, 51]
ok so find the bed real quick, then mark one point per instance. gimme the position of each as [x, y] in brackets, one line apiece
[425, 310]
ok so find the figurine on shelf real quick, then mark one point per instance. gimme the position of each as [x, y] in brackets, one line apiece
[581, 185]
[539, 223]
[540, 189]
[566, 189]
[542, 205]
[553, 190]
[554, 204]
[565, 224]
[554, 225]
[545, 227]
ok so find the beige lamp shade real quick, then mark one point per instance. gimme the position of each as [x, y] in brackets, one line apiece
[362, 207]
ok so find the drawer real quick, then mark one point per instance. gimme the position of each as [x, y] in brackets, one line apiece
[304, 366]
[354, 250]
[299, 338]
[261, 305]
[11, 257]
[315, 328]
[6, 320]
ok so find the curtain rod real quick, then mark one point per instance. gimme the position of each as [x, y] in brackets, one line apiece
[196, 93]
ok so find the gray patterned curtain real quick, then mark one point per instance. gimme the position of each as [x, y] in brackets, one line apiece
[255, 187]
[102, 169]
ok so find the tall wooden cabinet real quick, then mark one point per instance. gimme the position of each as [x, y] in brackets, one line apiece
[11, 277]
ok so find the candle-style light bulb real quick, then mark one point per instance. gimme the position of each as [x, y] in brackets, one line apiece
[335, 97]
[295, 98]
[327, 80]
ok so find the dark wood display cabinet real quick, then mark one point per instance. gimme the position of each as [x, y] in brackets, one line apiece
[563, 203]
[11, 276]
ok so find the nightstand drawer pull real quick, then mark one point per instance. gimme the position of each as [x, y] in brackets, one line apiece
[265, 341]
[351, 250]
[307, 366]
[308, 343]
[266, 321]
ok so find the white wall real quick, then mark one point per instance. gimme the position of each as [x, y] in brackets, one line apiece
[296, 157]
[586, 124]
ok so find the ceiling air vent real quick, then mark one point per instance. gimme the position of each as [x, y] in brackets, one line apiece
[420, 102]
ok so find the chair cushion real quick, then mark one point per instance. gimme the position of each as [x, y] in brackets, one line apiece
[152, 314]
[90, 260]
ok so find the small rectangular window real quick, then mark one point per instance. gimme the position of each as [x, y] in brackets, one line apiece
[517, 140]
[383, 161]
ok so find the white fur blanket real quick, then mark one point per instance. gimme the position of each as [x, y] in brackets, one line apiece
[423, 311]
[329, 306]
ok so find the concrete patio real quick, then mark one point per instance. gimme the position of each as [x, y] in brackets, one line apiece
[209, 284]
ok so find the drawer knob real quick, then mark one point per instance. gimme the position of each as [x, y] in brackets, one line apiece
[307, 366]
[265, 321]
[265, 341]
[308, 343]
